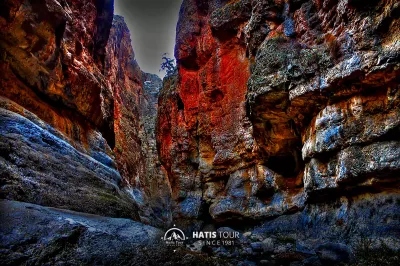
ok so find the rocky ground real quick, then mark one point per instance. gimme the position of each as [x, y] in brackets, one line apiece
[281, 123]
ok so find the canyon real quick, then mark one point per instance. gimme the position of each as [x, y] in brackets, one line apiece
[280, 124]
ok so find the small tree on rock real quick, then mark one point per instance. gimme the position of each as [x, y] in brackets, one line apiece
[168, 65]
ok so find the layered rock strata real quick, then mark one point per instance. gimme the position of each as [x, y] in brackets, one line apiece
[280, 105]
[72, 125]
[134, 121]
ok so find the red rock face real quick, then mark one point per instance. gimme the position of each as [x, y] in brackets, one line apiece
[279, 103]
[57, 110]
[203, 121]
[69, 69]
[48, 50]
[134, 115]
[124, 76]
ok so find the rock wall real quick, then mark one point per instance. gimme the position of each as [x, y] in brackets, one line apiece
[282, 106]
[72, 124]
[134, 121]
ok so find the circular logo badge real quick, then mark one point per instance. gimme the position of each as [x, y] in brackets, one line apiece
[174, 237]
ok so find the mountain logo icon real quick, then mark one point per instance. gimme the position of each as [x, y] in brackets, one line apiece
[174, 237]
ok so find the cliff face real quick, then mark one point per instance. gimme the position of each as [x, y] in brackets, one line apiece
[134, 122]
[72, 133]
[285, 108]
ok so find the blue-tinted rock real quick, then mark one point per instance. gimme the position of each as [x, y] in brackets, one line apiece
[289, 27]
[32, 234]
[257, 246]
[39, 166]
[334, 253]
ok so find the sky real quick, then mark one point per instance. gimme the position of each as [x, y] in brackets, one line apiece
[152, 25]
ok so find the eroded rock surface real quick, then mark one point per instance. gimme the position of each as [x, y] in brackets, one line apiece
[36, 235]
[38, 164]
[74, 112]
[135, 110]
[33, 234]
[278, 105]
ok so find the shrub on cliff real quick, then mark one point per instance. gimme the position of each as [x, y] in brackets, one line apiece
[168, 65]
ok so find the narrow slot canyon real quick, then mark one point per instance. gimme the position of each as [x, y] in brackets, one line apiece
[269, 137]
